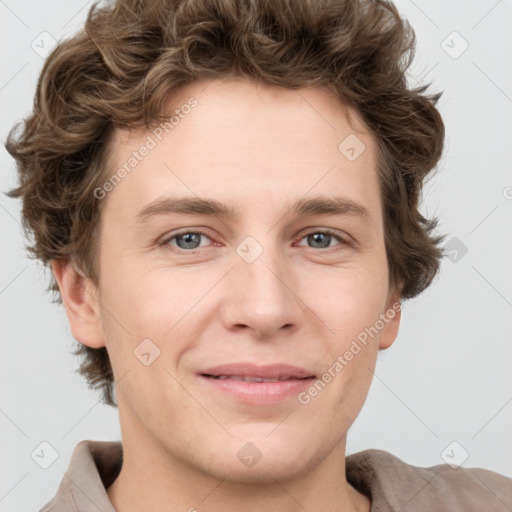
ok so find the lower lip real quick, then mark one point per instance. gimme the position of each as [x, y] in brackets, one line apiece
[259, 392]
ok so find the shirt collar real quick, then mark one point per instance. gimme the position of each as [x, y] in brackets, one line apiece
[93, 467]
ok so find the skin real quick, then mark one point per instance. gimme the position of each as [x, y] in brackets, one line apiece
[258, 149]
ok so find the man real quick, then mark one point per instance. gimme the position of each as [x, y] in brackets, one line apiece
[227, 194]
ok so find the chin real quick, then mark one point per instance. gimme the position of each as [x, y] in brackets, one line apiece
[260, 460]
[264, 472]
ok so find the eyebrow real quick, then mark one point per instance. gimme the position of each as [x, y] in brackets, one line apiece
[211, 207]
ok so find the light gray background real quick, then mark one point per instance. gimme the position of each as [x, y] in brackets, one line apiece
[447, 377]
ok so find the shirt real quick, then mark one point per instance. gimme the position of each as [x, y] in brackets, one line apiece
[392, 484]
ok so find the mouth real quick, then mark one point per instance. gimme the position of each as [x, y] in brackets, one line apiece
[256, 385]
[271, 373]
[250, 378]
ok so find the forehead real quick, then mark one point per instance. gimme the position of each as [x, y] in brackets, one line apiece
[242, 140]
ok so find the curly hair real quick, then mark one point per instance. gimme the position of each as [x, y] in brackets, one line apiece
[119, 69]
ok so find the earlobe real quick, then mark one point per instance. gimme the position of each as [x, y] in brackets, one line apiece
[391, 319]
[79, 296]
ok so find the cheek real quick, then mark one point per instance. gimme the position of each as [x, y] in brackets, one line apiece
[150, 304]
[349, 304]
[141, 296]
[350, 299]
[143, 327]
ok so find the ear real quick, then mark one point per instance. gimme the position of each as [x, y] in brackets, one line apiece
[80, 298]
[391, 317]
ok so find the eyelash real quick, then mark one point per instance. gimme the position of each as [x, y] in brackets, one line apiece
[343, 242]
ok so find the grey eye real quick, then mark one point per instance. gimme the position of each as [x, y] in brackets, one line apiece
[189, 240]
[319, 240]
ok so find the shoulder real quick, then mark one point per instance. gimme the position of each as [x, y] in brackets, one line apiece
[395, 484]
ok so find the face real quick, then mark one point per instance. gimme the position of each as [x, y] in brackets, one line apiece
[246, 236]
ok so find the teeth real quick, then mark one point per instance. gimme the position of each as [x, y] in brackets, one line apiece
[249, 379]
[257, 379]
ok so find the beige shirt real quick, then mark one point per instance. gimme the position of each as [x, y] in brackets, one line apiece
[392, 484]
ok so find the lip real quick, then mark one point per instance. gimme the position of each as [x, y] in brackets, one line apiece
[258, 393]
[272, 371]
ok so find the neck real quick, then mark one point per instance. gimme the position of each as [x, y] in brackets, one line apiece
[151, 479]
[156, 477]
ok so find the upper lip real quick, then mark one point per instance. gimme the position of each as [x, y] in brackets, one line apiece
[272, 371]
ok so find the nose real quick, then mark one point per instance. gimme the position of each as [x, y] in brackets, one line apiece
[262, 296]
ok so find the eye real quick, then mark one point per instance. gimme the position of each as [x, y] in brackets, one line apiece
[187, 240]
[323, 239]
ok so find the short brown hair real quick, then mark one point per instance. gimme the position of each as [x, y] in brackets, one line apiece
[117, 72]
